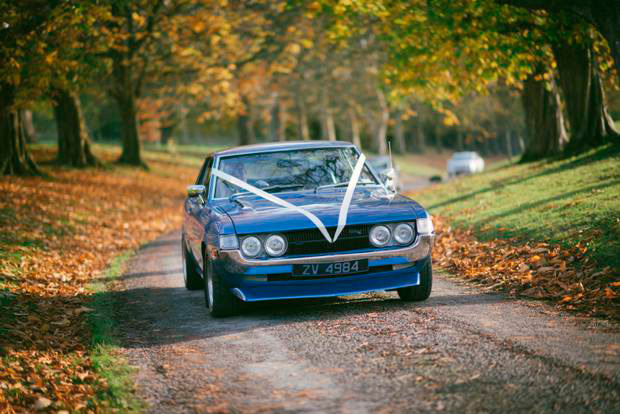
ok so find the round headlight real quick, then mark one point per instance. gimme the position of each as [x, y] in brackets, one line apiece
[380, 235]
[275, 245]
[250, 246]
[403, 233]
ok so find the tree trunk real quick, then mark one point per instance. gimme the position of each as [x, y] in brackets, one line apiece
[508, 143]
[328, 127]
[304, 131]
[243, 132]
[546, 134]
[129, 126]
[73, 141]
[275, 127]
[165, 134]
[459, 140]
[521, 144]
[14, 156]
[244, 123]
[381, 137]
[420, 137]
[29, 129]
[589, 122]
[437, 139]
[167, 125]
[399, 133]
[125, 91]
[355, 127]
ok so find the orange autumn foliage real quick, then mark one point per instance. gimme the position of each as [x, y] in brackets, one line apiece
[56, 236]
[532, 269]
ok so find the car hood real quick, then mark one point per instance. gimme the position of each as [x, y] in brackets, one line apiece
[253, 214]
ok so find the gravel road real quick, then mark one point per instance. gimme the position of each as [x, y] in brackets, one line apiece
[462, 351]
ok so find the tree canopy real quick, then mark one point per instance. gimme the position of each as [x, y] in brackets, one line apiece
[357, 70]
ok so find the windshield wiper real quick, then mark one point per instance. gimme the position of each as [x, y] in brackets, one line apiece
[269, 189]
[280, 187]
[339, 185]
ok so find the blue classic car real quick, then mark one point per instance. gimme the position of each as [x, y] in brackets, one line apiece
[300, 220]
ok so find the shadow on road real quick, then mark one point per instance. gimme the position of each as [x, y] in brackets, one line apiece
[154, 316]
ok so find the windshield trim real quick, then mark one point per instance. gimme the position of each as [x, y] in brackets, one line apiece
[218, 158]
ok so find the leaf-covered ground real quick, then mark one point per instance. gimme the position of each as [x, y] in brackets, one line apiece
[544, 230]
[58, 234]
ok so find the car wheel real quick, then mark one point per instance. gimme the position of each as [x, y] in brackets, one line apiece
[191, 275]
[218, 298]
[423, 290]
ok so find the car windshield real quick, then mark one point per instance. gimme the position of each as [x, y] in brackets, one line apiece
[291, 170]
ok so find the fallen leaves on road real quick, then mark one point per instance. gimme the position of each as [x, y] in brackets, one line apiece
[57, 235]
[534, 269]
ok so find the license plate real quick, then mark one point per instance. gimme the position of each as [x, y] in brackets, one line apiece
[330, 269]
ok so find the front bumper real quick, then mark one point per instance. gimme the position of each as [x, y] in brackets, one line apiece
[234, 262]
[251, 279]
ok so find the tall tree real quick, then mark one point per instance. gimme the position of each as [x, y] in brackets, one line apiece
[40, 44]
[136, 25]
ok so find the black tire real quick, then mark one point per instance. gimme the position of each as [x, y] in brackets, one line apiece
[423, 290]
[221, 303]
[191, 275]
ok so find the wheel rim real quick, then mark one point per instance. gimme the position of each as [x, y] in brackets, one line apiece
[210, 285]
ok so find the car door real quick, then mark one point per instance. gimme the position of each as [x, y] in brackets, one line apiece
[197, 213]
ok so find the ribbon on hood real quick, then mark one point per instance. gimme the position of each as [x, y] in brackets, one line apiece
[344, 208]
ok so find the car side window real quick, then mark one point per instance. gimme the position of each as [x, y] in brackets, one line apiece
[205, 171]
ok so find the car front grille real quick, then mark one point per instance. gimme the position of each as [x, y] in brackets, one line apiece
[312, 241]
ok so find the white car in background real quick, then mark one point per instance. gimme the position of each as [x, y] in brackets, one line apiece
[467, 162]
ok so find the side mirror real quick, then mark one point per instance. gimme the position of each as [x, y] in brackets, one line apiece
[197, 191]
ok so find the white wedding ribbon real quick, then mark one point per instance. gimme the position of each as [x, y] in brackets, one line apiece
[348, 196]
[344, 208]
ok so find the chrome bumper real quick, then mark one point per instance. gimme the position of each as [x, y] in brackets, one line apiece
[234, 262]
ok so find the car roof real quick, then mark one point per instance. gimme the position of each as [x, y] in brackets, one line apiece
[281, 146]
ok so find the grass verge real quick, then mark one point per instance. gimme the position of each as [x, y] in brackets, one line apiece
[562, 201]
[549, 229]
[105, 356]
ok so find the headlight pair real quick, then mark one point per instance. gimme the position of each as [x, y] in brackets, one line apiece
[275, 245]
[381, 235]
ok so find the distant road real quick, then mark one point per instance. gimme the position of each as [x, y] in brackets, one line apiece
[462, 351]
